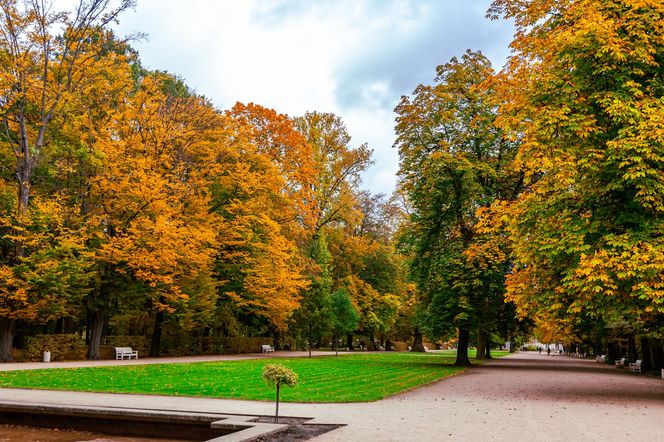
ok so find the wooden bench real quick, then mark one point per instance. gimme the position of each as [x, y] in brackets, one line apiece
[121, 352]
[267, 348]
[635, 367]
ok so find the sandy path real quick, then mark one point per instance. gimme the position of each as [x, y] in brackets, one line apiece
[523, 397]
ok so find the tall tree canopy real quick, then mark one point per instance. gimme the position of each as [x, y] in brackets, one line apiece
[47, 59]
[584, 92]
[453, 162]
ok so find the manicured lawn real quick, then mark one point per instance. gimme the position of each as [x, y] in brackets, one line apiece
[347, 378]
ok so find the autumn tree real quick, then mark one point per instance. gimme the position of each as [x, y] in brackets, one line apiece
[453, 162]
[337, 167]
[263, 198]
[45, 56]
[148, 205]
[367, 267]
[583, 92]
[276, 137]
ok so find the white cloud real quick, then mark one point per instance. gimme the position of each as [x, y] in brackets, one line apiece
[353, 58]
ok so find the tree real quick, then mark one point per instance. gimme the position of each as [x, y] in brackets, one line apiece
[313, 317]
[276, 137]
[344, 317]
[277, 375]
[453, 162]
[337, 167]
[46, 58]
[263, 200]
[148, 204]
[583, 92]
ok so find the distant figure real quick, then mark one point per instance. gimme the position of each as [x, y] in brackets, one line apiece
[539, 350]
[548, 351]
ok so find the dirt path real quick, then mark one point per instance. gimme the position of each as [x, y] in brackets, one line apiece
[523, 397]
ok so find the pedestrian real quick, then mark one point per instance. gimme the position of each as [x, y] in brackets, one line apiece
[548, 351]
[539, 350]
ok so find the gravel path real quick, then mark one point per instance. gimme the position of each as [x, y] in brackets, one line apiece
[522, 397]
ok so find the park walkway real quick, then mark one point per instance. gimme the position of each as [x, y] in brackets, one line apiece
[522, 397]
[162, 360]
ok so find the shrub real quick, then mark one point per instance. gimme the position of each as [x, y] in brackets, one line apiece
[62, 347]
[277, 375]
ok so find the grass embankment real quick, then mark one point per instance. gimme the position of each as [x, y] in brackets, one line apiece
[347, 378]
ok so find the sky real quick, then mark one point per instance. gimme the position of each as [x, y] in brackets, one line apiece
[354, 58]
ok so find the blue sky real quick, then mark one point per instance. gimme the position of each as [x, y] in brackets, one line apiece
[354, 58]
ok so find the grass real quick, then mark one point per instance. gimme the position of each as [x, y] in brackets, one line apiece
[347, 378]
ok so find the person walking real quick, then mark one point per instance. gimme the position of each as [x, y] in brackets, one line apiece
[539, 350]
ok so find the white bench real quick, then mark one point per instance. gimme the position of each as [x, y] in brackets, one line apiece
[621, 362]
[601, 358]
[267, 348]
[635, 367]
[121, 352]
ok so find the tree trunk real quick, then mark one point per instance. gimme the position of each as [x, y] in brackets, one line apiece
[69, 326]
[276, 413]
[7, 339]
[349, 341]
[96, 332]
[417, 341]
[87, 326]
[335, 347]
[646, 356]
[155, 342]
[462, 348]
[481, 344]
[656, 353]
[631, 349]
[612, 352]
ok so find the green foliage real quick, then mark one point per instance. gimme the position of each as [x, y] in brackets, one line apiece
[454, 162]
[277, 374]
[314, 316]
[344, 316]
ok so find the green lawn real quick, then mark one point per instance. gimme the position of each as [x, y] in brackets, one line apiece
[347, 378]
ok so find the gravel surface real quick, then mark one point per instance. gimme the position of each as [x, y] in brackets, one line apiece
[522, 397]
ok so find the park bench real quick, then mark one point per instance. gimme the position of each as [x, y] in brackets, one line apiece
[601, 358]
[635, 367]
[121, 352]
[620, 363]
[267, 348]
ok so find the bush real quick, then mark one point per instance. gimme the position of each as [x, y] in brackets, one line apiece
[246, 345]
[277, 375]
[62, 347]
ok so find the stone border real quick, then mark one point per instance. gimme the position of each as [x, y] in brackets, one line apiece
[244, 429]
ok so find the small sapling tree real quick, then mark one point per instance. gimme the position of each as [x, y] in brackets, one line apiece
[278, 375]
